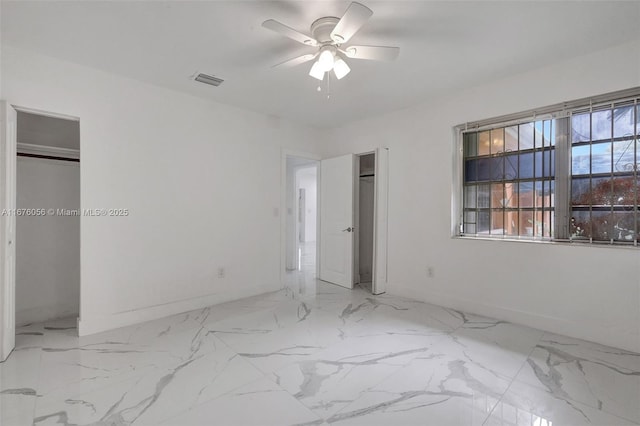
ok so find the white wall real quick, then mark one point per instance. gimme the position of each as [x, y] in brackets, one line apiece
[174, 161]
[587, 292]
[201, 181]
[47, 247]
[307, 180]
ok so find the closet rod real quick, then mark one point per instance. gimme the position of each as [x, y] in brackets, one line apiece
[369, 175]
[48, 157]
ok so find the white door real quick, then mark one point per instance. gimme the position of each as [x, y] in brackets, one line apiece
[8, 120]
[336, 220]
[380, 221]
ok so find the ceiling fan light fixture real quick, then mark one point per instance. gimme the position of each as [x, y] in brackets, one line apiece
[341, 69]
[317, 71]
[330, 36]
[326, 58]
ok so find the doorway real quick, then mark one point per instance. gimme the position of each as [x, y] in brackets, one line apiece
[40, 195]
[48, 235]
[301, 219]
[306, 223]
[353, 220]
[364, 219]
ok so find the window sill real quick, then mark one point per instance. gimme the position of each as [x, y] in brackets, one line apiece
[576, 243]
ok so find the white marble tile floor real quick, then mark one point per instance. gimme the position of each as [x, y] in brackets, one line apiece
[316, 354]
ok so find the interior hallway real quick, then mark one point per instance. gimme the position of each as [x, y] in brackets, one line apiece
[317, 354]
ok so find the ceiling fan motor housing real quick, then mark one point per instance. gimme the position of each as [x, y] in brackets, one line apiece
[321, 29]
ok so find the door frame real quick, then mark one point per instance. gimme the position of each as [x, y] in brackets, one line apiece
[301, 208]
[380, 218]
[283, 207]
[379, 272]
[356, 216]
[8, 149]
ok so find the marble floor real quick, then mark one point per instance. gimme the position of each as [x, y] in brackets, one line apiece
[316, 354]
[306, 261]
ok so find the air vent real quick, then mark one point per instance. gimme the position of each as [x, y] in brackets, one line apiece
[208, 79]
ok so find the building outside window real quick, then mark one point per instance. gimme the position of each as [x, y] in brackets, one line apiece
[570, 173]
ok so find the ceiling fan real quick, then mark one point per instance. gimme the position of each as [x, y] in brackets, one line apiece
[329, 35]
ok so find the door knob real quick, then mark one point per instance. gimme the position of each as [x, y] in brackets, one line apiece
[349, 229]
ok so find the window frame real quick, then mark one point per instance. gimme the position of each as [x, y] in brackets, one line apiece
[561, 114]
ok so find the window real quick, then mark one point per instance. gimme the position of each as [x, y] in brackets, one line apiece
[604, 173]
[508, 180]
[571, 173]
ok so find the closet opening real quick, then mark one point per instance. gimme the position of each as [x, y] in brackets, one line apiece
[48, 223]
[364, 219]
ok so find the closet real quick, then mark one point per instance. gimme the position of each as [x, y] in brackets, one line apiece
[48, 229]
[365, 190]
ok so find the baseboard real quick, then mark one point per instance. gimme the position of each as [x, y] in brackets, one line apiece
[592, 332]
[45, 313]
[96, 324]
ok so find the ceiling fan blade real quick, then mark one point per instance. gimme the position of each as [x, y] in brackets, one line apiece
[354, 18]
[286, 31]
[375, 53]
[296, 61]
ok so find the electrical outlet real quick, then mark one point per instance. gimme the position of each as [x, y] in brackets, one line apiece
[430, 271]
[221, 272]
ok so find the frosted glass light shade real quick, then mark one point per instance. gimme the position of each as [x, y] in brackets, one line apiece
[317, 71]
[340, 68]
[326, 60]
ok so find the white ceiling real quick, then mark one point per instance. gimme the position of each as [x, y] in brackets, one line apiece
[444, 46]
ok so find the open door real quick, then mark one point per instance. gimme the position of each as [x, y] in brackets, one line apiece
[336, 220]
[380, 219]
[8, 143]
